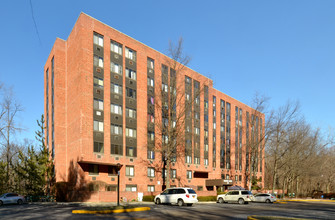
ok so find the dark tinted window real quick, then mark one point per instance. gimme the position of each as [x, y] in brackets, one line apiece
[246, 192]
[191, 191]
[234, 193]
[180, 191]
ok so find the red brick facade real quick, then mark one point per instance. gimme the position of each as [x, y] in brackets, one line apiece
[73, 118]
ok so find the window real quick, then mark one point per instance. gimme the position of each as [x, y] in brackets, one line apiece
[116, 68]
[116, 129]
[214, 125]
[98, 82]
[165, 87]
[111, 188]
[116, 47]
[206, 133]
[151, 172]
[197, 131]
[197, 100]
[196, 115]
[151, 63]
[98, 39]
[130, 54]
[151, 154]
[130, 170]
[130, 113]
[116, 109]
[236, 177]
[98, 126]
[131, 93]
[98, 61]
[173, 174]
[151, 188]
[98, 104]
[206, 147]
[206, 162]
[151, 100]
[115, 88]
[130, 132]
[188, 80]
[151, 136]
[196, 160]
[227, 176]
[116, 149]
[206, 103]
[240, 178]
[187, 96]
[131, 74]
[131, 151]
[131, 188]
[98, 147]
[188, 159]
[93, 169]
[189, 174]
[151, 82]
[151, 118]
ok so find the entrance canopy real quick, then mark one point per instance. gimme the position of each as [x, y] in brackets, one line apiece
[219, 182]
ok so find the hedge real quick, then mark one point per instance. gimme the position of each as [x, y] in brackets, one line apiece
[206, 198]
[148, 198]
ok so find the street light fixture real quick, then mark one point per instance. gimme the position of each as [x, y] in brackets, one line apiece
[118, 183]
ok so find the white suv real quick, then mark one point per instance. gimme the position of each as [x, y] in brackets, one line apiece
[240, 196]
[178, 196]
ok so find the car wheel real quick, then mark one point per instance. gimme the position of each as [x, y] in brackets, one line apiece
[1, 203]
[20, 202]
[221, 200]
[180, 202]
[267, 201]
[158, 202]
[241, 201]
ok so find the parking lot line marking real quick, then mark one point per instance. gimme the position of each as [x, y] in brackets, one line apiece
[139, 209]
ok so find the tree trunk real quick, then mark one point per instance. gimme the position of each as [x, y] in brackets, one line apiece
[274, 177]
[167, 174]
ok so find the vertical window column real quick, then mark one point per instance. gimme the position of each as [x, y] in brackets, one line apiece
[228, 134]
[131, 101]
[188, 120]
[98, 93]
[151, 109]
[196, 109]
[117, 108]
[206, 126]
[214, 132]
[222, 134]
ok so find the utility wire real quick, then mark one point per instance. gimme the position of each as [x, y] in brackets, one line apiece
[32, 15]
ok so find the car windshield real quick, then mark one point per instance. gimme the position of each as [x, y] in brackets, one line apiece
[2, 195]
[191, 191]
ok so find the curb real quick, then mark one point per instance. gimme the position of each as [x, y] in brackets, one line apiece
[139, 209]
[257, 217]
[305, 200]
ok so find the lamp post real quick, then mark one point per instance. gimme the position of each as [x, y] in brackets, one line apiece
[118, 183]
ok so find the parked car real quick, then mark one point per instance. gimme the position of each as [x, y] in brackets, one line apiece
[11, 198]
[179, 196]
[239, 196]
[264, 197]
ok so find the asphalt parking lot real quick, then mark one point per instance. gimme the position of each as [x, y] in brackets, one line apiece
[307, 210]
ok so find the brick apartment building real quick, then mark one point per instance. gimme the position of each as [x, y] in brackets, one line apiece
[100, 92]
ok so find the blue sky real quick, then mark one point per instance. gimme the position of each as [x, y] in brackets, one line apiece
[283, 49]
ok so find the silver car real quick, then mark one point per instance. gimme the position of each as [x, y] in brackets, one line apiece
[11, 198]
[264, 197]
[239, 196]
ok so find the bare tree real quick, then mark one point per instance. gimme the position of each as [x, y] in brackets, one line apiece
[171, 109]
[277, 139]
[10, 109]
[256, 135]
